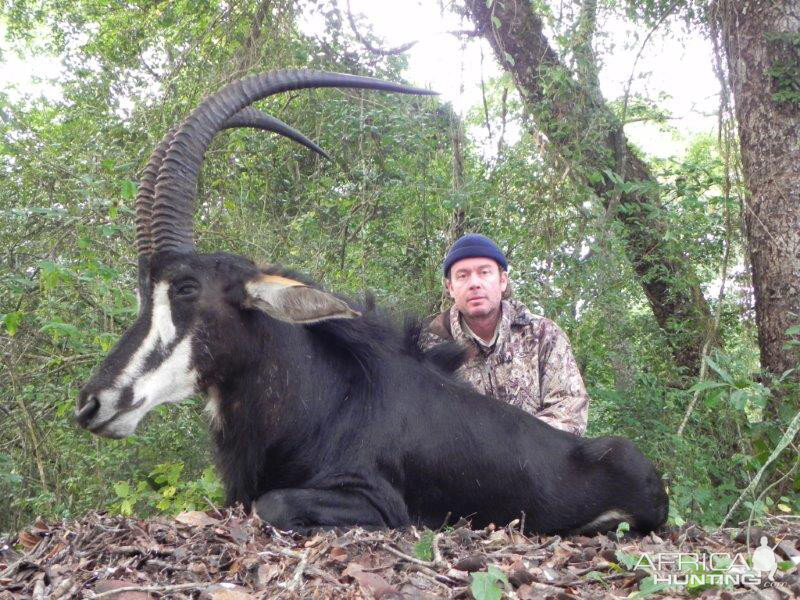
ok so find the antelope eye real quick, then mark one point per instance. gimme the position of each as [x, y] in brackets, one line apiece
[186, 288]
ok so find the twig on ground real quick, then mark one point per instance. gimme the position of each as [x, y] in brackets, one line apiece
[298, 572]
[437, 553]
[404, 556]
[159, 589]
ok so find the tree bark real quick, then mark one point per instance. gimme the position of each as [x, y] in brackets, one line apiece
[761, 42]
[577, 122]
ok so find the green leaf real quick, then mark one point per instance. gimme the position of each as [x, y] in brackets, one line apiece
[713, 399]
[487, 586]
[50, 274]
[11, 322]
[629, 560]
[706, 384]
[128, 189]
[496, 22]
[59, 329]
[510, 59]
[423, 549]
[739, 399]
[647, 588]
[126, 507]
[719, 370]
[623, 528]
[122, 489]
[595, 177]
[613, 177]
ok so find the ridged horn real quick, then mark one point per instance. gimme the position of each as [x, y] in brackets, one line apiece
[146, 194]
[173, 209]
[247, 117]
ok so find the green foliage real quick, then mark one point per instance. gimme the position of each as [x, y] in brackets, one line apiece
[623, 528]
[163, 491]
[488, 585]
[784, 72]
[627, 560]
[648, 587]
[423, 549]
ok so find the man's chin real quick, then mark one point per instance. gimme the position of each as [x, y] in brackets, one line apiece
[477, 312]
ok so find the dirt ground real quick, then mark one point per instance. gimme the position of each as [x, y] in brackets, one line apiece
[226, 555]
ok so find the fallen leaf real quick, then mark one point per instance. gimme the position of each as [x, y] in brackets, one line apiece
[196, 518]
[29, 540]
[225, 591]
[518, 575]
[338, 554]
[266, 573]
[40, 524]
[471, 564]
[234, 567]
[372, 582]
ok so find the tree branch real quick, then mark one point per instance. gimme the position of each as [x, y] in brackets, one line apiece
[374, 49]
[402, 47]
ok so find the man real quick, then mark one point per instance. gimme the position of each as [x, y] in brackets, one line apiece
[514, 355]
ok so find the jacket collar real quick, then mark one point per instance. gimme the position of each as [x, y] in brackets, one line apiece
[514, 314]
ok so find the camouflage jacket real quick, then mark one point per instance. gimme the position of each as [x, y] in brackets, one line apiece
[530, 365]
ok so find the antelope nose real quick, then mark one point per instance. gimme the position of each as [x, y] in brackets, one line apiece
[87, 408]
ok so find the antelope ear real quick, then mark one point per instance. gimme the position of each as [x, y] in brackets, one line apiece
[294, 302]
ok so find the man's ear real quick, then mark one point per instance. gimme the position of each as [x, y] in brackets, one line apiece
[503, 280]
[294, 302]
[448, 287]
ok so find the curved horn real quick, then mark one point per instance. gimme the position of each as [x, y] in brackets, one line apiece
[147, 191]
[144, 212]
[251, 117]
[247, 117]
[177, 180]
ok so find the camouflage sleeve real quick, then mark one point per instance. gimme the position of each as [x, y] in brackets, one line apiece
[565, 403]
[428, 339]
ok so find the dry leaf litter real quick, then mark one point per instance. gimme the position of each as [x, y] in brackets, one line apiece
[228, 555]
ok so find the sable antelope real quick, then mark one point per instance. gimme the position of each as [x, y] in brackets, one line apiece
[323, 412]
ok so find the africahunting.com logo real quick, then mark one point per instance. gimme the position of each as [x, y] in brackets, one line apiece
[694, 569]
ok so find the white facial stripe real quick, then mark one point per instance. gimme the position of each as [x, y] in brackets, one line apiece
[162, 329]
[607, 517]
[162, 314]
[172, 381]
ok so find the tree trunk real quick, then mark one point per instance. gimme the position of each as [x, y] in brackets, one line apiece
[579, 124]
[761, 41]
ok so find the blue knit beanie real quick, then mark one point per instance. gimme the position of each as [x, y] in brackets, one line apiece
[474, 245]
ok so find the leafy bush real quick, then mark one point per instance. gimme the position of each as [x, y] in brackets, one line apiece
[163, 491]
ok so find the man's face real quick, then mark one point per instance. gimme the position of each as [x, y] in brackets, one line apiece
[476, 285]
